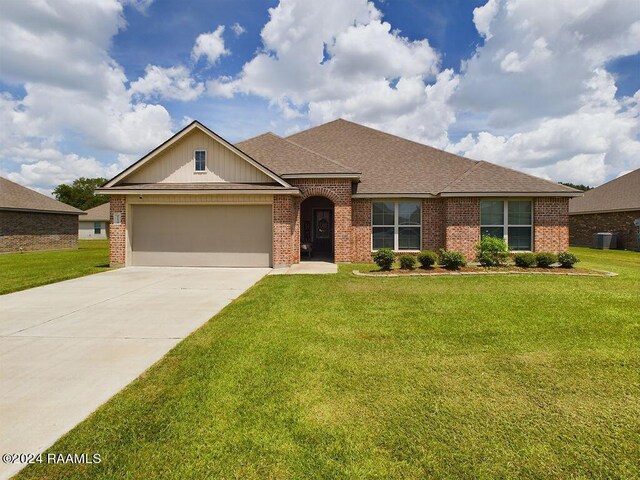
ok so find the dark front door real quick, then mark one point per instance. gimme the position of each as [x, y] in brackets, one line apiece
[322, 231]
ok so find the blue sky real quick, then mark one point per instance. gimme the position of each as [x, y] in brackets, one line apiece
[545, 86]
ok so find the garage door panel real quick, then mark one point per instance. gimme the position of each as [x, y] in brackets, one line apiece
[201, 235]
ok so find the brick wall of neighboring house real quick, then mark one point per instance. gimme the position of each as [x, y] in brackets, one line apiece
[338, 190]
[582, 227]
[433, 224]
[551, 224]
[118, 233]
[462, 225]
[29, 231]
[361, 230]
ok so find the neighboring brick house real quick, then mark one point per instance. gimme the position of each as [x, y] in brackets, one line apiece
[32, 221]
[95, 224]
[612, 207]
[336, 191]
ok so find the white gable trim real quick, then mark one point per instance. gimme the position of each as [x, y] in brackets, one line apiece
[195, 125]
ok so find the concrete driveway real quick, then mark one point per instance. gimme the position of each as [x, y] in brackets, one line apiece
[66, 348]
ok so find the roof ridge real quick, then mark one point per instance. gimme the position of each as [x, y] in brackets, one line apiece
[318, 154]
[466, 172]
[395, 137]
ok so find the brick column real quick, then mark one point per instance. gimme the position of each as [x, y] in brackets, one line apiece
[463, 225]
[433, 227]
[361, 230]
[284, 228]
[118, 233]
[551, 224]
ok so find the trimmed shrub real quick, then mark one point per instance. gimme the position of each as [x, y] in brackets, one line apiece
[384, 258]
[525, 260]
[427, 259]
[567, 260]
[492, 251]
[452, 260]
[407, 262]
[545, 259]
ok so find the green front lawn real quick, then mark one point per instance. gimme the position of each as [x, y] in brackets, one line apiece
[413, 377]
[19, 271]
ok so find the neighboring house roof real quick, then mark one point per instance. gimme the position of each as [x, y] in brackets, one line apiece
[620, 194]
[97, 214]
[391, 164]
[289, 159]
[18, 198]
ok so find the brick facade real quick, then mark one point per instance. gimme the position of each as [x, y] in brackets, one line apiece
[462, 225]
[285, 230]
[30, 231]
[582, 227]
[338, 190]
[551, 224]
[118, 233]
[433, 224]
[361, 230]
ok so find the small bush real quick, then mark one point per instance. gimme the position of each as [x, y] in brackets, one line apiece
[427, 259]
[407, 262]
[545, 259]
[567, 260]
[452, 260]
[384, 258]
[492, 251]
[525, 260]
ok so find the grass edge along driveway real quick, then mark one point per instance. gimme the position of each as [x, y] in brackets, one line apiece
[20, 271]
[338, 376]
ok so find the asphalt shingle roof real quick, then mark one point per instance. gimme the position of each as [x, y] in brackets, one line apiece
[97, 214]
[16, 197]
[622, 193]
[391, 164]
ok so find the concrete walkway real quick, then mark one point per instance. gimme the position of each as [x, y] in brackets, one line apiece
[67, 348]
[309, 267]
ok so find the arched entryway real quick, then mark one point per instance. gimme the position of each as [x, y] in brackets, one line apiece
[317, 229]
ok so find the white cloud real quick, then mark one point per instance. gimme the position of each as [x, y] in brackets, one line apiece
[540, 81]
[141, 5]
[210, 46]
[323, 60]
[238, 29]
[173, 83]
[59, 54]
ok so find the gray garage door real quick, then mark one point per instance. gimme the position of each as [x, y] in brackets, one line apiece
[201, 235]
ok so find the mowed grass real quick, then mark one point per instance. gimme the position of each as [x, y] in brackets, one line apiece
[346, 377]
[19, 271]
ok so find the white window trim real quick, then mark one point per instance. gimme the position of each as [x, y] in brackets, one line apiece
[505, 219]
[194, 161]
[396, 225]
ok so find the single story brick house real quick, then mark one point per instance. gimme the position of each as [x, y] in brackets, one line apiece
[612, 207]
[32, 221]
[95, 224]
[339, 190]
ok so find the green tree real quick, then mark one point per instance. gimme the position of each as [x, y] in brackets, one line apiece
[81, 193]
[584, 188]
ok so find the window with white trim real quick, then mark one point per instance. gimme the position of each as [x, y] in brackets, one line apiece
[200, 158]
[97, 228]
[396, 225]
[508, 219]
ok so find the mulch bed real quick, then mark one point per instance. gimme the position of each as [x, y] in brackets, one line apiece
[478, 270]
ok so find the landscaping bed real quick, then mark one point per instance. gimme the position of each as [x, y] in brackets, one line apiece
[375, 271]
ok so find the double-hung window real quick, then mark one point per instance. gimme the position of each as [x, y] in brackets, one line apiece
[511, 220]
[396, 225]
[200, 161]
[97, 228]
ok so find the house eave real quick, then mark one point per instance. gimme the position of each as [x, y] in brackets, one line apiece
[253, 191]
[510, 194]
[603, 212]
[36, 210]
[393, 195]
[353, 176]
